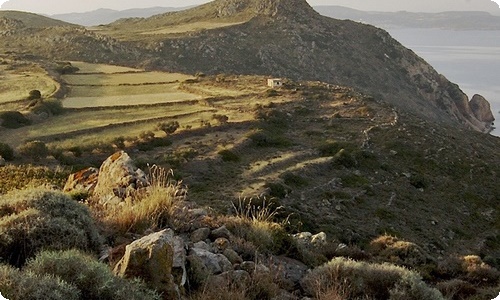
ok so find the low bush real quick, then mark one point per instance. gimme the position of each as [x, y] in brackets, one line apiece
[391, 249]
[51, 107]
[19, 177]
[263, 138]
[6, 151]
[229, 156]
[34, 149]
[32, 220]
[469, 268]
[362, 280]
[13, 120]
[18, 285]
[93, 279]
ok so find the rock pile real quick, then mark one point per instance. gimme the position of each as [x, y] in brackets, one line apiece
[116, 179]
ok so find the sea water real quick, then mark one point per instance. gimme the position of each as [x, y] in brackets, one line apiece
[470, 59]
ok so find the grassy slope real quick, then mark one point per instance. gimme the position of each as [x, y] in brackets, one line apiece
[436, 186]
[33, 20]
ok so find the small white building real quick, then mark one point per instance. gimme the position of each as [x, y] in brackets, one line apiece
[275, 82]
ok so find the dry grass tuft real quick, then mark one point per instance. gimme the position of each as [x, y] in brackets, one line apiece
[151, 208]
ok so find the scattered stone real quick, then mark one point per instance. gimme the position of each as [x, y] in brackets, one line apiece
[221, 232]
[290, 271]
[151, 259]
[200, 235]
[202, 245]
[84, 180]
[233, 256]
[248, 266]
[221, 244]
[214, 263]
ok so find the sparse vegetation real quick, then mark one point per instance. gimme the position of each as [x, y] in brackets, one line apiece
[32, 220]
[6, 151]
[152, 208]
[13, 119]
[34, 149]
[94, 280]
[348, 279]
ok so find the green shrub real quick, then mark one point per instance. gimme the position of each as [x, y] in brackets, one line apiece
[344, 159]
[362, 280]
[35, 219]
[18, 177]
[51, 107]
[6, 151]
[269, 139]
[229, 156]
[168, 127]
[13, 119]
[34, 149]
[93, 279]
[17, 285]
[66, 68]
[34, 95]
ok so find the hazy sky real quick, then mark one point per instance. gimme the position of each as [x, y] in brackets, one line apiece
[65, 6]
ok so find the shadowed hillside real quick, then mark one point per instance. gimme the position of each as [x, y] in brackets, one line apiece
[290, 39]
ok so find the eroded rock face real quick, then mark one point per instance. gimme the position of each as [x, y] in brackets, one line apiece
[152, 259]
[84, 180]
[481, 109]
[119, 178]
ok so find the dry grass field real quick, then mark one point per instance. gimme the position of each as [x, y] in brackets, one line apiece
[16, 82]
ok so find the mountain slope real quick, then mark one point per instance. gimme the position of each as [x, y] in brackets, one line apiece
[453, 20]
[105, 16]
[29, 20]
[33, 35]
[290, 39]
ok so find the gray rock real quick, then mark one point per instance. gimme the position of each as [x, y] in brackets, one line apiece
[221, 232]
[290, 271]
[248, 266]
[215, 263]
[203, 245]
[200, 235]
[237, 278]
[233, 256]
[481, 109]
[151, 258]
[2, 162]
[118, 178]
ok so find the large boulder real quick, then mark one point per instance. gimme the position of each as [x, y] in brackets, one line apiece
[213, 263]
[481, 109]
[152, 258]
[119, 178]
[84, 180]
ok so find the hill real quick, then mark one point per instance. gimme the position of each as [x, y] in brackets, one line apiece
[452, 20]
[105, 16]
[24, 19]
[31, 35]
[250, 37]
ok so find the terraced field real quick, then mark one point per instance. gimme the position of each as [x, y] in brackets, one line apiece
[16, 81]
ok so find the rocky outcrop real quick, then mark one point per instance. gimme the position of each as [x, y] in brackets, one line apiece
[118, 179]
[84, 180]
[152, 259]
[481, 109]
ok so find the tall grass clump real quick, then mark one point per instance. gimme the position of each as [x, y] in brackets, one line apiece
[255, 221]
[20, 285]
[32, 220]
[151, 208]
[348, 279]
[93, 279]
